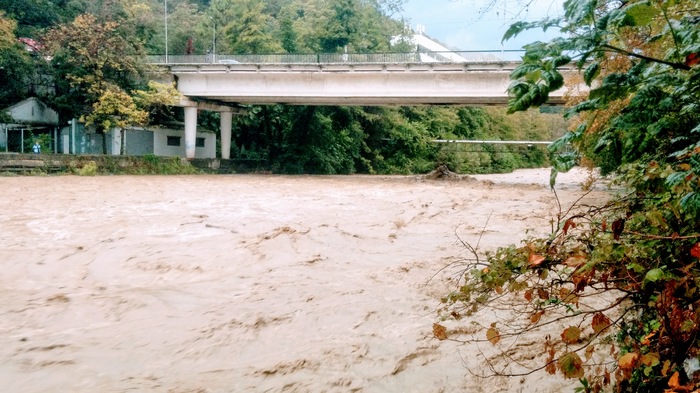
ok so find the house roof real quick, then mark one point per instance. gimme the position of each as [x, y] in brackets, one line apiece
[31, 44]
[32, 111]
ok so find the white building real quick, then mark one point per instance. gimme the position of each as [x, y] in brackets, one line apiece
[137, 141]
[30, 119]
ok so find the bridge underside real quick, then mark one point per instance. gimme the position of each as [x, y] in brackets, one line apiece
[344, 84]
[337, 84]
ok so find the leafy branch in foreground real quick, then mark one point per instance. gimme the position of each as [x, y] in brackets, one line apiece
[619, 281]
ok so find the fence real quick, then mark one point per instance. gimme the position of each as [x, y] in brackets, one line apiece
[494, 56]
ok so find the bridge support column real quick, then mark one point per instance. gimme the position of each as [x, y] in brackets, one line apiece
[190, 131]
[226, 120]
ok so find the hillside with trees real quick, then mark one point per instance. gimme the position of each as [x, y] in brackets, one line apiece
[87, 62]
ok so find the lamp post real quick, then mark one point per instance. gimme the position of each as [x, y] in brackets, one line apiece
[166, 31]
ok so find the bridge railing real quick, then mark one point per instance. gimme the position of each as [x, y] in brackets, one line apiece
[349, 58]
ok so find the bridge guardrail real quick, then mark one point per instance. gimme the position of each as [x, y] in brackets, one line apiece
[348, 58]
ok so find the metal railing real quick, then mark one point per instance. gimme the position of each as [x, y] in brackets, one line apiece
[493, 56]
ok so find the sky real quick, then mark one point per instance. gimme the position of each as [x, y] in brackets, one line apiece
[459, 24]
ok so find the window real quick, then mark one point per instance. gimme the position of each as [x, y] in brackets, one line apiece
[199, 142]
[174, 140]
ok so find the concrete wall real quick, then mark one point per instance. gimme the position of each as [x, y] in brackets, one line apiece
[161, 147]
[139, 142]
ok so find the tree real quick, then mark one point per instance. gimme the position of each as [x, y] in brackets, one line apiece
[342, 23]
[115, 109]
[622, 276]
[98, 73]
[16, 66]
[31, 15]
[251, 30]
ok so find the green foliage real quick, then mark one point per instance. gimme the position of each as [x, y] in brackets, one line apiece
[625, 273]
[87, 169]
[389, 140]
[150, 164]
[250, 30]
[89, 58]
[114, 109]
[16, 68]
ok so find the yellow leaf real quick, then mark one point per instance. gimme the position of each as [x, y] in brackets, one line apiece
[664, 369]
[571, 335]
[493, 336]
[650, 359]
[568, 296]
[571, 365]
[628, 360]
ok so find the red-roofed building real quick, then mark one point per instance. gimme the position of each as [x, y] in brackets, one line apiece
[31, 45]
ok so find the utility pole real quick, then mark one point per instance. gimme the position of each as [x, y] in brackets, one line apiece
[166, 31]
[213, 44]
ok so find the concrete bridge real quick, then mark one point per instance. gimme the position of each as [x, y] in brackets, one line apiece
[451, 78]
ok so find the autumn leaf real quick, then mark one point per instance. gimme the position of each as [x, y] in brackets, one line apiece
[575, 261]
[617, 227]
[568, 296]
[628, 360]
[665, 368]
[568, 225]
[571, 335]
[589, 351]
[650, 359]
[695, 250]
[646, 340]
[551, 368]
[600, 322]
[571, 365]
[493, 336]
[692, 59]
[536, 317]
[606, 377]
[439, 331]
[673, 382]
[535, 260]
[528, 295]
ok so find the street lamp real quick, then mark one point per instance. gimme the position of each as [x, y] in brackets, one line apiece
[166, 31]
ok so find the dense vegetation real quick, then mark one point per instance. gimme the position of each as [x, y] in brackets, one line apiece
[620, 281]
[88, 64]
